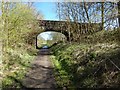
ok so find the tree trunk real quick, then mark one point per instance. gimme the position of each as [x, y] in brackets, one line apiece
[86, 11]
[102, 15]
[119, 13]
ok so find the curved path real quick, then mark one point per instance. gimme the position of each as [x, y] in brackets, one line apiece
[40, 74]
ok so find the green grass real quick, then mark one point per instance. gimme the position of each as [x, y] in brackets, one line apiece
[61, 76]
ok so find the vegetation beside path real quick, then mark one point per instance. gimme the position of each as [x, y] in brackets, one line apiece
[18, 26]
[93, 65]
[15, 69]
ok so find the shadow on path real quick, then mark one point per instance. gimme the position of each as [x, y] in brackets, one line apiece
[40, 75]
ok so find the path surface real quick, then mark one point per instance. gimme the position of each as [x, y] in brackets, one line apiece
[40, 74]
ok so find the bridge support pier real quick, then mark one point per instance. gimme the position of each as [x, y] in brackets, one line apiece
[36, 44]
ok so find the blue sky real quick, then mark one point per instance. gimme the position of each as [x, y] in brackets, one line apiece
[48, 9]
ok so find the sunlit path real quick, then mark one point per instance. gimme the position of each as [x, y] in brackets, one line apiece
[40, 75]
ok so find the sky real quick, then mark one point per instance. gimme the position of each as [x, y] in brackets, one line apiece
[48, 9]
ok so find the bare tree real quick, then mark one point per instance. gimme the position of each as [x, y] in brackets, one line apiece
[87, 17]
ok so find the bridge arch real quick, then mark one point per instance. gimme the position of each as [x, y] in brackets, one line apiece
[64, 35]
[57, 26]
